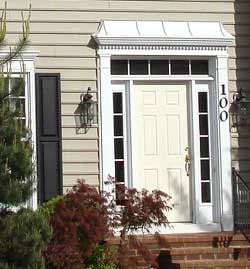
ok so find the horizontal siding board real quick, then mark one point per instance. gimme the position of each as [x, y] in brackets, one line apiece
[239, 63]
[73, 132]
[70, 180]
[60, 51]
[69, 98]
[52, 27]
[174, 15]
[58, 39]
[80, 144]
[239, 52]
[240, 75]
[132, 6]
[57, 5]
[239, 29]
[148, 6]
[68, 108]
[243, 40]
[237, 142]
[70, 63]
[241, 154]
[84, 156]
[77, 87]
[242, 165]
[79, 156]
[80, 168]
[68, 74]
[74, 98]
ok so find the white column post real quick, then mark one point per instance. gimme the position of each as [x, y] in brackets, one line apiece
[34, 198]
[224, 143]
[106, 112]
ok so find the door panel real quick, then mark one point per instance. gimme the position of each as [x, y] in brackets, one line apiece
[159, 139]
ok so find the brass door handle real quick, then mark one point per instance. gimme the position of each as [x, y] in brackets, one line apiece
[187, 161]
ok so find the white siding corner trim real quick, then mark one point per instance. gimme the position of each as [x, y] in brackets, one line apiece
[128, 39]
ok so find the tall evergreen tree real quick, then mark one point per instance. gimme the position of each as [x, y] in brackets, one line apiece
[23, 232]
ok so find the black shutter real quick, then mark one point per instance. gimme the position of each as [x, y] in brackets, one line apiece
[48, 121]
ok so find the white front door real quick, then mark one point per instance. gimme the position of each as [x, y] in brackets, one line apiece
[159, 139]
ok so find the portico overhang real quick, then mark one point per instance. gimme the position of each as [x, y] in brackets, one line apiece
[161, 33]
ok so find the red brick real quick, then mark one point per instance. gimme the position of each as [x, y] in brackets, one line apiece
[208, 256]
[222, 256]
[178, 257]
[193, 257]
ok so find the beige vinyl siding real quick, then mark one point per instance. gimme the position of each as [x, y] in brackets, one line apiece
[240, 70]
[61, 31]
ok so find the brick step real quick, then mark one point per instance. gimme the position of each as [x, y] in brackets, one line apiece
[209, 253]
[223, 250]
[214, 264]
[216, 240]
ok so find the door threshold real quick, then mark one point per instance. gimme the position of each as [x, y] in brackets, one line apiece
[180, 228]
[193, 228]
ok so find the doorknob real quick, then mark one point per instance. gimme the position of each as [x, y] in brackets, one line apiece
[187, 161]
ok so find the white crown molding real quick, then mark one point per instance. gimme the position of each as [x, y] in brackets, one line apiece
[163, 47]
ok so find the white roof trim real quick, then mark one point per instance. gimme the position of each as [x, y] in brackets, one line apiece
[27, 54]
[162, 33]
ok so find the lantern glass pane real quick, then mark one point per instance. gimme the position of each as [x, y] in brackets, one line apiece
[95, 120]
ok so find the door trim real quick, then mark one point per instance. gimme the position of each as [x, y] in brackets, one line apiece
[218, 66]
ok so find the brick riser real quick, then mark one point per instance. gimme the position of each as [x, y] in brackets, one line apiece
[210, 250]
[210, 257]
[199, 251]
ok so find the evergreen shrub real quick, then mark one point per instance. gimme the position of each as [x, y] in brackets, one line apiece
[23, 235]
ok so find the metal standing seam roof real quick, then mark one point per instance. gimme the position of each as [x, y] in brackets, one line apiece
[161, 33]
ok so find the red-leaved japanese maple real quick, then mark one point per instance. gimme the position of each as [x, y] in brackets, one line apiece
[137, 210]
[79, 221]
[84, 217]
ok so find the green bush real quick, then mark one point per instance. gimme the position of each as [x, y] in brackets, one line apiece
[23, 235]
[49, 207]
[101, 258]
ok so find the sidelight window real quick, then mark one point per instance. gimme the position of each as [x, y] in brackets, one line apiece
[204, 147]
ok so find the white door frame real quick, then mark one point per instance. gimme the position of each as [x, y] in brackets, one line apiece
[201, 212]
[209, 46]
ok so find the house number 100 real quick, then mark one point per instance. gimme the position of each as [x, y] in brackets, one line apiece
[223, 103]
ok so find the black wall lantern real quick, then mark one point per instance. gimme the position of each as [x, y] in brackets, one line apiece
[88, 110]
[240, 109]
